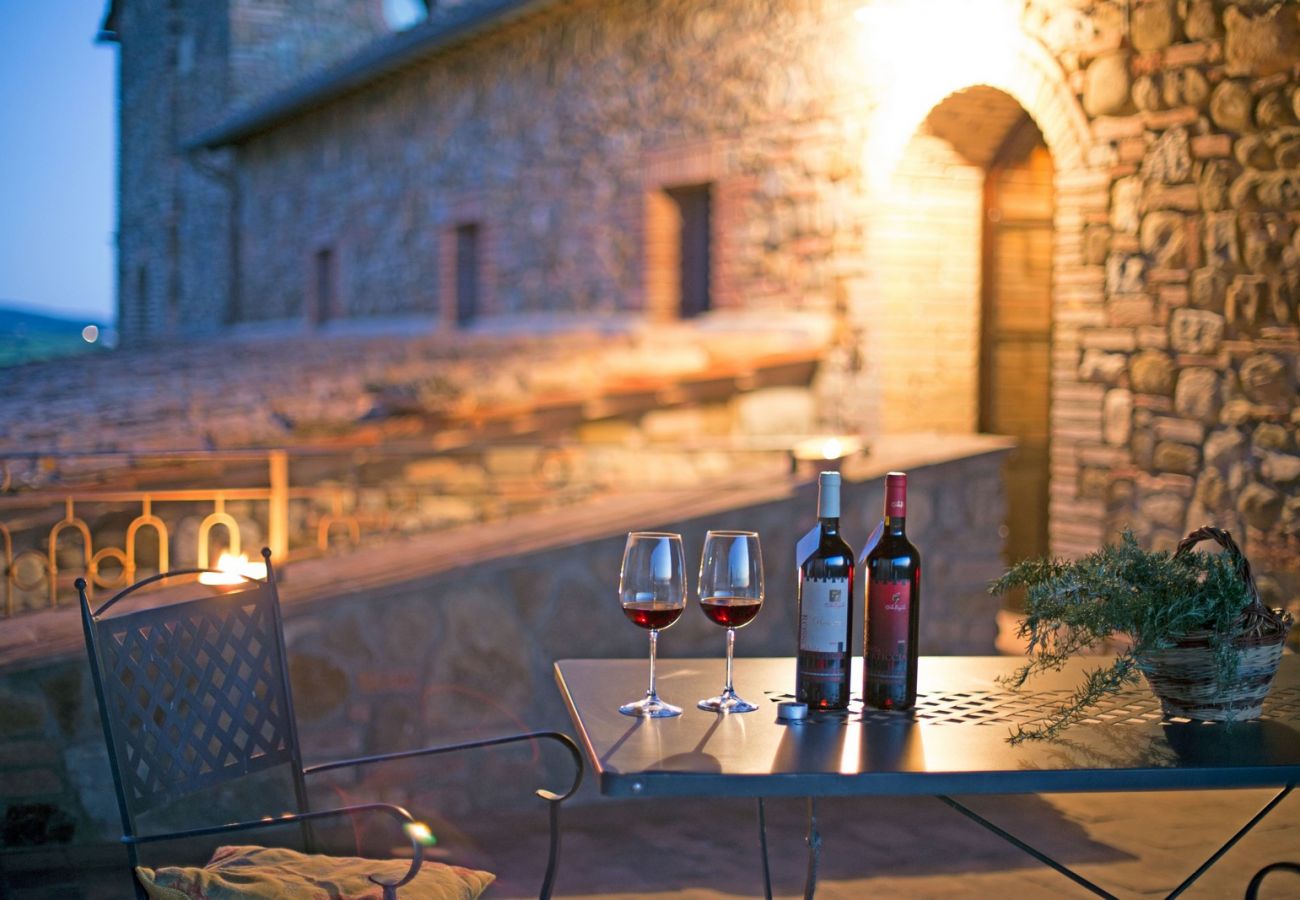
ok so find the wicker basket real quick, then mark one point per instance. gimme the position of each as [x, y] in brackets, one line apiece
[1183, 676]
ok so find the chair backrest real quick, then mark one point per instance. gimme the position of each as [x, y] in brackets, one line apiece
[192, 694]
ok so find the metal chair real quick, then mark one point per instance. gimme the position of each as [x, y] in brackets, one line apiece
[195, 695]
[1252, 889]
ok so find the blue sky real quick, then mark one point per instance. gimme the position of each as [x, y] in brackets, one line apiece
[58, 156]
[57, 97]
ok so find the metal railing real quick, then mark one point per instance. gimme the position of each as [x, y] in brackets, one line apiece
[34, 570]
[56, 507]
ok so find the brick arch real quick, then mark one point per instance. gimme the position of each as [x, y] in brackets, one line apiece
[1036, 82]
[1028, 73]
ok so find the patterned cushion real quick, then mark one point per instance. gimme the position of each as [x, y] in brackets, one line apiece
[262, 873]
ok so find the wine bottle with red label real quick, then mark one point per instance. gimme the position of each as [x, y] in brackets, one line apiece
[825, 605]
[893, 575]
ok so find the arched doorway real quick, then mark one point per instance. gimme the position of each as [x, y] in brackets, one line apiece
[965, 243]
[1016, 328]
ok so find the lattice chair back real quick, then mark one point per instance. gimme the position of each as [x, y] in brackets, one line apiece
[192, 695]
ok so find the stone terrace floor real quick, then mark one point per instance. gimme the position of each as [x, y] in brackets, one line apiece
[1135, 845]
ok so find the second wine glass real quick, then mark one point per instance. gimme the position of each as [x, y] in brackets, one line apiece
[731, 593]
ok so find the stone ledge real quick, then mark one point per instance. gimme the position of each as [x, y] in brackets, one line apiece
[41, 637]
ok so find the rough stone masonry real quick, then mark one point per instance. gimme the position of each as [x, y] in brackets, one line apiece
[1174, 126]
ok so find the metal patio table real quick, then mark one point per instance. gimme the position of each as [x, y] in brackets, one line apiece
[953, 742]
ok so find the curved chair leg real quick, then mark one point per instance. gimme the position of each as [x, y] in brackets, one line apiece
[1252, 890]
[553, 857]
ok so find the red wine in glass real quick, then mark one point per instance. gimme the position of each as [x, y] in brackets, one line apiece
[731, 612]
[648, 614]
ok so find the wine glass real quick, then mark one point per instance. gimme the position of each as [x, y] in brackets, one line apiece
[731, 593]
[652, 589]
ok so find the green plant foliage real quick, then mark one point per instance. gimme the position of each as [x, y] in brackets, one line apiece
[1153, 597]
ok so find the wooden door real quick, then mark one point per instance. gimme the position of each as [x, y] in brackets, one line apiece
[1015, 346]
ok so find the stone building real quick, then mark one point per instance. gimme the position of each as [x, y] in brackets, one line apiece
[1073, 221]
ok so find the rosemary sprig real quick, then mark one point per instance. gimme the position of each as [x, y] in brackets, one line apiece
[1153, 597]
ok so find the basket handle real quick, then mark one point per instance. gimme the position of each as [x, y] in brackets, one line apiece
[1223, 538]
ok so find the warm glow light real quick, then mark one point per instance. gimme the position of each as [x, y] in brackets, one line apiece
[420, 833]
[921, 53]
[829, 447]
[90, 334]
[233, 569]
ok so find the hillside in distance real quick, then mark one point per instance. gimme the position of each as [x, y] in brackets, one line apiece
[27, 336]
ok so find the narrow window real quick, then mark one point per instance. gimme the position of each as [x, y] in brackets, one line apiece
[141, 298]
[694, 207]
[467, 274]
[323, 272]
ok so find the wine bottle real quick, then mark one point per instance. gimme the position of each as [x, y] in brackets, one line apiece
[825, 606]
[893, 574]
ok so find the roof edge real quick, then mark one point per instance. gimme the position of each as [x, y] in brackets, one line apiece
[383, 57]
[107, 33]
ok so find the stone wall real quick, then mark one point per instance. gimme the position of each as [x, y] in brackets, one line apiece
[465, 649]
[928, 278]
[273, 43]
[146, 168]
[1196, 360]
[1172, 127]
[576, 143]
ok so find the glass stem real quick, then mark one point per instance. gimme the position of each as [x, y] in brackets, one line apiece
[731, 646]
[654, 644]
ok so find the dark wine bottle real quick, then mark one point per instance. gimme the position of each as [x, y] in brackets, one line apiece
[893, 574]
[825, 607]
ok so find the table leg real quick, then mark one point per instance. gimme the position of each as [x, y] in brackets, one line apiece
[813, 839]
[762, 847]
[1268, 808]
[814, 847]
[1083, 882]
[1032, 851]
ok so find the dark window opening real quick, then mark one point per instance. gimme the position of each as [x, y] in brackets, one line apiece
[467, 274]
[141, 305]
[323, 293]
[695, 208]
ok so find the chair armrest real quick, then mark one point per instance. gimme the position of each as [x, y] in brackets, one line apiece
[401, 815]
[563, 739]
[1252, 890]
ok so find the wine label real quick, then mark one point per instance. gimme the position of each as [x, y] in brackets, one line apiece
[824, 615]
[888, 611]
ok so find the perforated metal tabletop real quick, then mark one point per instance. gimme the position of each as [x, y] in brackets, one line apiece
[954, 742]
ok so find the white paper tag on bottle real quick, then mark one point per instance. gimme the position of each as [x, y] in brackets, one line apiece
[872, 541]
[807, 545]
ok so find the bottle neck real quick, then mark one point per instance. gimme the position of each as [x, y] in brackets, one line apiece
[828, 501]
[895, 525]
[829, 524]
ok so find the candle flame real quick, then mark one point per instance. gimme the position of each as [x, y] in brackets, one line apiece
[233, 569]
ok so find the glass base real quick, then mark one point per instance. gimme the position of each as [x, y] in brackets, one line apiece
[650, 707]
[727, 702]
